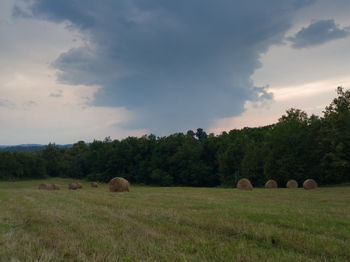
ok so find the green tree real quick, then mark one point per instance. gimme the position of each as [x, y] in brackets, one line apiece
[335, 139]
[52, 156]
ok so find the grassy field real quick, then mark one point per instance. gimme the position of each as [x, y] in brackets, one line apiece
[172, 224]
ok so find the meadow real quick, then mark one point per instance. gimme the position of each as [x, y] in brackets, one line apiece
[172, 224]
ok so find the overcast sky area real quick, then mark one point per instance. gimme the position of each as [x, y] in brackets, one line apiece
[75, 70]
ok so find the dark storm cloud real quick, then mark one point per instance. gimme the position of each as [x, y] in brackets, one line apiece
[318, 33]
[179, 64]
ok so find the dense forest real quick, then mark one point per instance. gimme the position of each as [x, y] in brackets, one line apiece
[298, 146]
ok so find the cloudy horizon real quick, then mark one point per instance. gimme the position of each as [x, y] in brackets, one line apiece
[84, 70]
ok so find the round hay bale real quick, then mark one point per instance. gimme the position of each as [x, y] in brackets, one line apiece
[50, 187]
[271, 184]
[244, 184]
[94, 184]
[55, 187]
[73, 186]
[292, 184]
[44, 186]
[119, 184]
[79, 186]
[309, 184]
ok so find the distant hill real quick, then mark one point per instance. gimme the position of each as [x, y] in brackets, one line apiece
[28, 148]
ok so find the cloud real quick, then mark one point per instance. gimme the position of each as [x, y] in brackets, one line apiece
[28, 104]
[178, 64]
[6, 103]
[311, 97]
[57, 94]
[28, 114]
[318, 33]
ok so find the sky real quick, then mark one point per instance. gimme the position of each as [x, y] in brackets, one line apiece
[75, 70]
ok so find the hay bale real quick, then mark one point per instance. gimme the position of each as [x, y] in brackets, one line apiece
[94, 184]
[271, 184]
[73, 186]
[309, 184]
[50, 187]
[244, 184]
[55, 187]
[79, 185]
[119, 184]
[292, 184]
[44, 186]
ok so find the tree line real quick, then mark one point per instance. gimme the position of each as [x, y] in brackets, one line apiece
[297, 147]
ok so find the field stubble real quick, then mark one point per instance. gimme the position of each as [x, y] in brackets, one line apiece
[172, 224]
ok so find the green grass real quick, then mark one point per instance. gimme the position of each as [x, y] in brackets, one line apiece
[172, 224]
